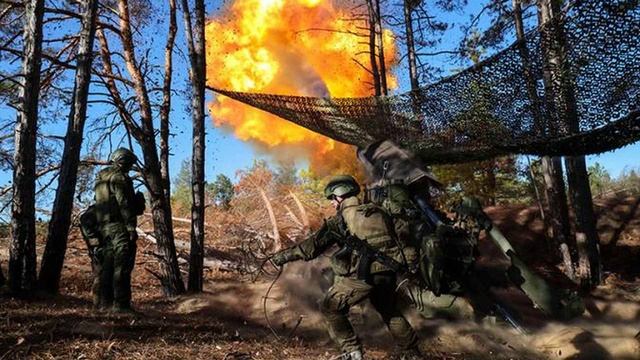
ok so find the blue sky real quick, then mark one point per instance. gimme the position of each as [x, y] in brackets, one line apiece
[224, 153]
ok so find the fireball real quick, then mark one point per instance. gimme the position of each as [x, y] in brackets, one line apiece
[290, 47]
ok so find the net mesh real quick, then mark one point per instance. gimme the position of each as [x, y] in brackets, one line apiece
[570, 88]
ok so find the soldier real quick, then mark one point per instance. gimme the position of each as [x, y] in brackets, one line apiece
[115, 210]
[357, 278]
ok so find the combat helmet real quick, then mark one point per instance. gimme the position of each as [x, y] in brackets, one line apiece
[123, 157]
[343, 186]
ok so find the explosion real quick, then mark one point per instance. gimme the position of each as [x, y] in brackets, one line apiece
[291, 47]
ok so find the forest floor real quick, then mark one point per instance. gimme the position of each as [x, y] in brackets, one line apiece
[227, 321]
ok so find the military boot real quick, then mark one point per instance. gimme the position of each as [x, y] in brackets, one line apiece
[354, 355]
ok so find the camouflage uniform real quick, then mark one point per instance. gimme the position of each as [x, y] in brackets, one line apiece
[115, 211]
[367, 223]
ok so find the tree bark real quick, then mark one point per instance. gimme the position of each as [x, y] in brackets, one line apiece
[587, 240]
[196, 47]
[555, 189]
[562, 90]
[160, 208]
[375, 73]
[56, 245]
[165, 108]
[22, 253]
[411, 46]
[379, 34]
[558, 222]
[1, 276]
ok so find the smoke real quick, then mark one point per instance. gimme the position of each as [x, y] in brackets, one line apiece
[292, 47]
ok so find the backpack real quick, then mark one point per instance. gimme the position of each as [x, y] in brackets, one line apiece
[89, 227]
[446, 250]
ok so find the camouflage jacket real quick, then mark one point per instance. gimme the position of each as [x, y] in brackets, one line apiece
[367, 223]
[115, 198]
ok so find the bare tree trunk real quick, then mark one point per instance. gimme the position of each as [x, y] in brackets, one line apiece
[272, 218]
[558, 222]
[565, 103]
[303, 212]
[492, 183]
[160, 208]
[555, 189]
[587, 240]
[375, 73]
[555, 193]
[165, 108]
[411, 46]
[60, 222]
[196, 46]
[383, 67]
[1, 276]
[22, 255]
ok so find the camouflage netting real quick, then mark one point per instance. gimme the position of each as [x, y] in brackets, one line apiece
[500, 106]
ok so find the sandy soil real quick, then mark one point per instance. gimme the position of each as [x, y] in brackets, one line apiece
[228, 320]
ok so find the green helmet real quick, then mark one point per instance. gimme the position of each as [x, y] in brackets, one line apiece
[343, 186]
[123, 157]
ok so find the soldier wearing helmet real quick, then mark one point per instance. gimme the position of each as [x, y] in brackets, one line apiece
[115, 211]
[352, 285]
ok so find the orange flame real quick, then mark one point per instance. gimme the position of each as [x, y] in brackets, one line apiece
[292, 47]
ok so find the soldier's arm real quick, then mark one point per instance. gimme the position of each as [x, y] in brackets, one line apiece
[311, 247]
[119, 186]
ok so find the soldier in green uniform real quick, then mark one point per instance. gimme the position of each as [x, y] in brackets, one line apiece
[356, 278]
[115, 211]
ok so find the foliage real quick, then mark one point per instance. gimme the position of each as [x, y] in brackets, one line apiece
[221, 191]
[495, 181]
[599, 179]
[181, 195]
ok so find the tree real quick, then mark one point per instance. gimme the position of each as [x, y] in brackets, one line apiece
[558, 221]
[599, 178]
[182, 187]
[144, 134]
[408, 7]
[559, 86]
[22, 258]
[165, 108]
[221, 191]
[196, 47]
[56, 245]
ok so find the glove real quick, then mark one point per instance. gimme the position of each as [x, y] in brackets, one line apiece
[280, 258]
[133, 236]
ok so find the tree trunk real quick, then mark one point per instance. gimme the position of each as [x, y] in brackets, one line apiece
[492, 182]
[165, 108]
[56, 246]
[160, 208]
[375, 73]
[22, 254]
[558, 222]
[562, 90]
[383, 67]
[1, 276]
[411, 46]
[196, 46]
[555, 189]
[587, 241]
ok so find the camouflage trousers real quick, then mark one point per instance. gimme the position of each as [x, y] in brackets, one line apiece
[429, 305]
[112, 264]
[347, 292]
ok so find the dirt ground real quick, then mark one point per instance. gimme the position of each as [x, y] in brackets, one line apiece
[228, 320]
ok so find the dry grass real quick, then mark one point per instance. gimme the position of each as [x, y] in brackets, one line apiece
[227, 321]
